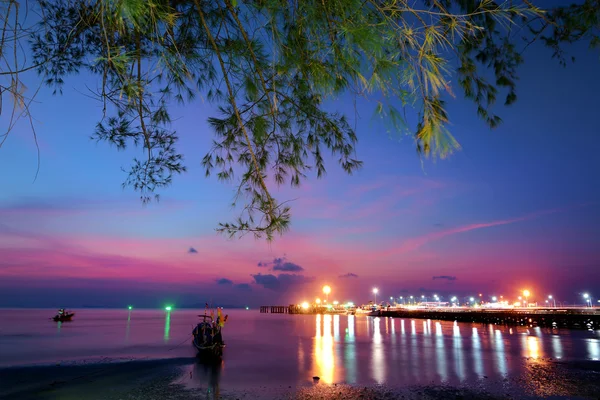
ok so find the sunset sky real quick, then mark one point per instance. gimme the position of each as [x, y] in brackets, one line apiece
[517, 207]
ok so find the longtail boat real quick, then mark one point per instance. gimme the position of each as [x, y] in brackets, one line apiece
[208, 339]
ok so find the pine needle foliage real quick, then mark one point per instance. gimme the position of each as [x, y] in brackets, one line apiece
[270, 65]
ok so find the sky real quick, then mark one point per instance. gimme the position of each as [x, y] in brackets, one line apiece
[516, 208]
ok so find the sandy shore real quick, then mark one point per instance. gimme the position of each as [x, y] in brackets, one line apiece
[170, 379]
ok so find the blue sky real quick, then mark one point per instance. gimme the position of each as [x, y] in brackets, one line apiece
[516, 207]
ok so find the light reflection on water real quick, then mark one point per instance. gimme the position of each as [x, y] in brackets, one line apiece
[440, 353]
[377, 353]
[293, 348]
[477, 353]
[350, 353]
[500, 354]
[167, 326]
[459, 364]
[324, 349]
[593, 346]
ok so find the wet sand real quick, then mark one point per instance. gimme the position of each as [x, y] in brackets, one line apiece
[174, 379]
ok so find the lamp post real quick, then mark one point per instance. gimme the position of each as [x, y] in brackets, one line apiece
[326, 290]
[411, 300]
[375, 291]
[402, 300]
[526, 293]
[588, 299]
[553, 300]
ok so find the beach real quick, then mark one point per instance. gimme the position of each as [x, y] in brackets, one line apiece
[174, 379]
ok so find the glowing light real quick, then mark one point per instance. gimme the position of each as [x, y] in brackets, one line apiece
[168, 308]
[472, 299]
[375, 290]
[247, 308]
[585, 295]
[533, 347]
[130, 307]
[167, 324]
[335, 302]
[494, 298]
[305, 305]
[324, 355]
[326, 289]
[526, 293]
[318, 301]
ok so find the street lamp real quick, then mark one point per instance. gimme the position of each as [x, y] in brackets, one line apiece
[553, 300]
[411, 300]
[402, 299]
[526, 293]
[375, 291]
[326, 290]
[494, 299]
[588, 299]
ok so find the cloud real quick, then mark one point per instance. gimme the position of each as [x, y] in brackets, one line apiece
[243, 286]
[288, 267]
[448, 277]
[224, 281]
[417, 242]
[281, 264]
[192, 250]
[348, 275]
[281, 282]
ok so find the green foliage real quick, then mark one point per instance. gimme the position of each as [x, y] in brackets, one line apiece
[270, 65]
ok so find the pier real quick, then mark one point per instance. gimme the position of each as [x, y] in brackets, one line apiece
[292, 309]
[278, 309]
[577, 318]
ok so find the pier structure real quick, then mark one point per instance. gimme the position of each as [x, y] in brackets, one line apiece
[577, 318]
[293, 309]
[550, 318]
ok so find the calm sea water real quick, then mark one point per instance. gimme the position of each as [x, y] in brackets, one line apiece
[293, 348]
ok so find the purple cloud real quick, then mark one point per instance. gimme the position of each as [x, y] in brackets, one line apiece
[281, 264]
[447, 277]
[281, 282]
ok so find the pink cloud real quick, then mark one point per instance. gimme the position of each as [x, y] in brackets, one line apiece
[415, 243]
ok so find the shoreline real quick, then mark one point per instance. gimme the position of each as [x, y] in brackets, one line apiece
[174, 379]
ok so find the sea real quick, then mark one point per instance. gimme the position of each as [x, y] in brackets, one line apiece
[293, 349]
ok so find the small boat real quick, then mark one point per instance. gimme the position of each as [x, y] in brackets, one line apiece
[63, 315]
[208, 339]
